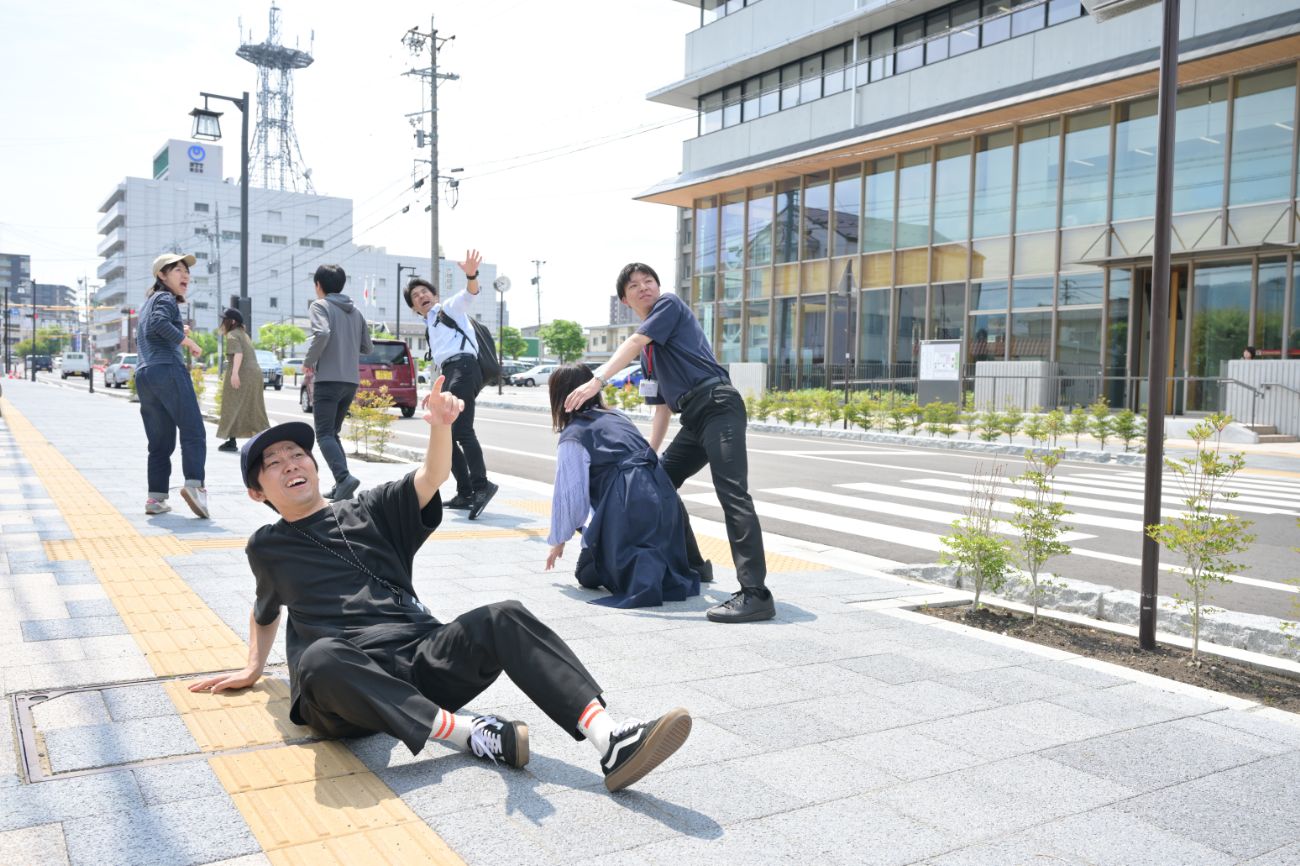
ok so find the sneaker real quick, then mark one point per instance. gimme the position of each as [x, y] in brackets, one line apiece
[481, 499]
[228, 445]
[197, 499]
[637, 747]
[499, 740]
[744, 606]
[156, 506]
[460, 502]
[345, 488]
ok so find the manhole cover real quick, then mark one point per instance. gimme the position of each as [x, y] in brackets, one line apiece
[97, 729]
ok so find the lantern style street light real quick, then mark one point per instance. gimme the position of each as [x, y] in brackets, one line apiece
[207, 126]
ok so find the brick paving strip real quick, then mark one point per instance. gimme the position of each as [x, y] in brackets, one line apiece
[305, 804]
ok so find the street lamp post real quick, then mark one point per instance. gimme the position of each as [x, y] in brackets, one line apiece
[32, 283]
[502, 285]
[207, 126]
[846, 289]
[400, 298]
[6, 327]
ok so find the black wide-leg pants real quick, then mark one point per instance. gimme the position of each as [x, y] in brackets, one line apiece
[346, 690]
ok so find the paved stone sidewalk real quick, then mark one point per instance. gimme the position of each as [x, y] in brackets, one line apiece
[849, 730]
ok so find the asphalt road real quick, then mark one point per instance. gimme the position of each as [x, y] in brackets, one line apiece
[895, 502]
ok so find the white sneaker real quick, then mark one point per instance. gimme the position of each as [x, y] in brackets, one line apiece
[156, 506]
[197, 499]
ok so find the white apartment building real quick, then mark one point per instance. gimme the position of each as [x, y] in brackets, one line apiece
[189, 205]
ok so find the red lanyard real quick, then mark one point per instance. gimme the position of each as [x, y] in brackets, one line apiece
[650, 359]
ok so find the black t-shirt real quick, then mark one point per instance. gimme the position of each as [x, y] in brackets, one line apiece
[328, 596]
[678, 357]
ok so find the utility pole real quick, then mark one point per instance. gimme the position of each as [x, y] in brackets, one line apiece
[6, 324]
[293, 310]
[537, 281]
[415, 40]
[32, 283]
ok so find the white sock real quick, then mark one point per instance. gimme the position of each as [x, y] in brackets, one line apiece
[451, 728]
[596, 725]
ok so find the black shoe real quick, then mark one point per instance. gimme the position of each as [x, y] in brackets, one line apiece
[345, 488]
[460, 502]
[480, 500]
[228, 445]
[744, 606]
[499, 741]
[705, 570]
[638, 747]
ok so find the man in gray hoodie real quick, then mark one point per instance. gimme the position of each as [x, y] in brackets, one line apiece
[339, 335]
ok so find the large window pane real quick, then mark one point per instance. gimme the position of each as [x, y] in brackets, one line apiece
[990, 257]
[848, 211]
[1078, 336]
[789, 85]
[878, 206]
[812, 332]
[731, 106]
[912, 53]
[947, 311]
[1198, 148]
[787, 279]
[1036, 253]
[787, 221]
[1268, 308]
[816, 214]
[810, 79]
[733, 231]
[1293, 333]
[706, 288]
[1135, 160]
[1032, 293]
[992, 202]
[999, 28]
[911, 324]
[834, 61]
[936, 27]
[873, 330]
[728, 346]
[733, 285]
[914, 198]
[882, 54]
[783, 349]
[1087, 163]
[1117, 316]
[757, 323]
[1031, 337]
[1059, 11]
[711, 113]
[1080, 288]
[989, 296]
[1037, 173]
[770, 100]
[706, 235]
[952, 192]
[1262, 120]
[759, 229]
[750, 101]
[965, 32]
[988, 340]
[1220, 326]
[760, 283]
[1027, 20]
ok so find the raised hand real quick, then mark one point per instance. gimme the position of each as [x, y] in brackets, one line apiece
[441, 407]
[473, 258]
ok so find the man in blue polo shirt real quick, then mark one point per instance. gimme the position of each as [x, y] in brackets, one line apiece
[682, 375]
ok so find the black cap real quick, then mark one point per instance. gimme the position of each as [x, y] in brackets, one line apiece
[293, 431]
[232, 313]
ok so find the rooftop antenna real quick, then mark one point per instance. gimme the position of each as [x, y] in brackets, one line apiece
[274, 148]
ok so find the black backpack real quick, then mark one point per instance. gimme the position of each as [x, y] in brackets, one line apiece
[488, 364]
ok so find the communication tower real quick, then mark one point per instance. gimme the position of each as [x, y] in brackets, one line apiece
[275, 149]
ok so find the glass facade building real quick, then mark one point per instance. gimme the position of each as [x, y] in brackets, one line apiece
[1027, 235]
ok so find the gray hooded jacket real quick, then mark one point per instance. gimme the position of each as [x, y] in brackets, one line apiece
[339, 336]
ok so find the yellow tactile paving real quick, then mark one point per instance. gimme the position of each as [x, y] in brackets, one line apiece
[312, 804]
[533, 506]
[719, 551]
[462, 535]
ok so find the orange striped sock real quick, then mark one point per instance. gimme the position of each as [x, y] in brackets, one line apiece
[451, 728]
[596, 725]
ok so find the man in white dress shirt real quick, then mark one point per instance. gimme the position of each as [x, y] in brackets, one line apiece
[454, 349]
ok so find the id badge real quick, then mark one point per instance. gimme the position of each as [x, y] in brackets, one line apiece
[649, 388]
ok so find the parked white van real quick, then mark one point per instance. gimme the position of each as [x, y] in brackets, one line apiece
[75, 364]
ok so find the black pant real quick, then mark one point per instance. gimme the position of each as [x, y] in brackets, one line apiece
[465, 380]
[330, 402]
[713, 433]
[347, 691]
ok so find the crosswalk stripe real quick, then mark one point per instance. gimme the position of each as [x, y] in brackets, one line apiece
[1076, 518]
[1284, 488]
[1250, 500]
[1173, 567]
[898, 509]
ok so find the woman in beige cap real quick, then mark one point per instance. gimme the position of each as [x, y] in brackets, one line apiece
[167, 399]
[243, 411]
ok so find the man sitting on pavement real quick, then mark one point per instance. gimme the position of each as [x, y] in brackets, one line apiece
[453, 348]
[366, 656]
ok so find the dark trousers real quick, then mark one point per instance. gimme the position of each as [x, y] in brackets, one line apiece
[167, 403]
[713, 433]
[465, 380]
[347, 691]
[330, 402]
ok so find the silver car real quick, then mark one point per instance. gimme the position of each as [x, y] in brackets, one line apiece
[118, 373]
[272, 372]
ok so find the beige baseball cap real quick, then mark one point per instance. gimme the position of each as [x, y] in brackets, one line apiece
[170, 259]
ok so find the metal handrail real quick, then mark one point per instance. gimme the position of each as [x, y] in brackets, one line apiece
[1268, 385]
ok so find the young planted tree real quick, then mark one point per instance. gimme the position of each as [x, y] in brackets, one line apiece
[948, 417]
[1076, 423]
[979, 553]
[1038, 517]
[1012, 420]
[1207, 541]
[989, 426]
[915, 418]
[1099, 421]
[897, 418]
[1127, 426]
[1054, 425]
[1036, 429]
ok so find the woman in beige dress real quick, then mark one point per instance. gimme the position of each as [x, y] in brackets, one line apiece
[243, 411]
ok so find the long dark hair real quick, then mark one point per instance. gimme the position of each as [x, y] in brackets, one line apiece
[563, 381]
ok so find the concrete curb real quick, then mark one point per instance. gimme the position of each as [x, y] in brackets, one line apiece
[1246, 631]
